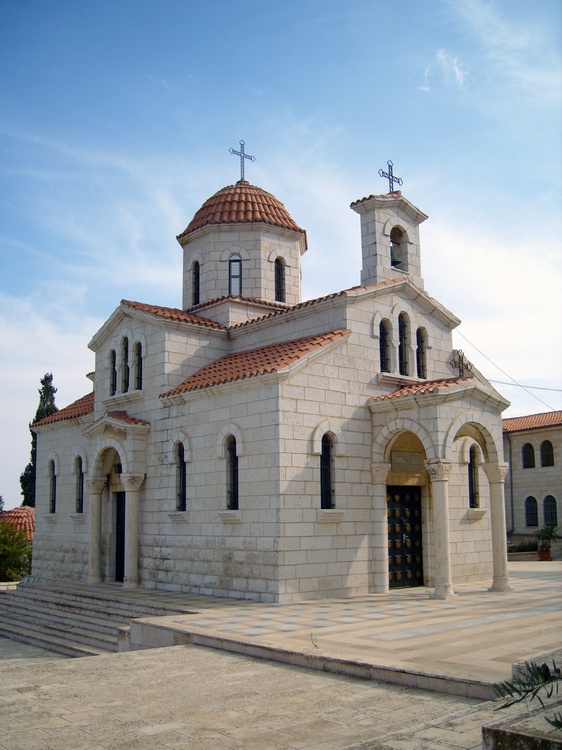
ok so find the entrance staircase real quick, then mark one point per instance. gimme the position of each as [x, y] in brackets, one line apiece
[75, 620]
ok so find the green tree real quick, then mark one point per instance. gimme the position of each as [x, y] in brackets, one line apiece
[1, 504]
[45, 409]
[15, 553]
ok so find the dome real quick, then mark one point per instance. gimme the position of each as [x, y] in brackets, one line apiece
[241, 204]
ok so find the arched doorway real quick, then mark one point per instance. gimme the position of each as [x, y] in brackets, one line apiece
[113, 516]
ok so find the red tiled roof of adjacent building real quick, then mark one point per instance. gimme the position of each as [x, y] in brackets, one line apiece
[22, 518]
[241, 204]
[171, 313]
[429, 386]
[79, 408]
[256, 361]
[532, 421]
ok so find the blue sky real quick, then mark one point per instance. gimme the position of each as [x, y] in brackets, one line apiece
[115, 123]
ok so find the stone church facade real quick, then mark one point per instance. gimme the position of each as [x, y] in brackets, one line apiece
[257, 446]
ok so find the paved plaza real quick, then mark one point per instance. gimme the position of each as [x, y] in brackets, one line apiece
[194, 697]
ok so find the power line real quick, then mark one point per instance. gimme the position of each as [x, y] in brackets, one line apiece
[532, 387]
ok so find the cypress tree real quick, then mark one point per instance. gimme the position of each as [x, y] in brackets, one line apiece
[46, 408]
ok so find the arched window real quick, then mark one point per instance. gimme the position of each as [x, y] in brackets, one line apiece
[52, 487]
[327, 493]
[112, 373]
[279, 280]
[531, 512]
[78, 470]
[396, 249]
[403, 336]
[473, 488]
[138, 365]
[125, 363]
[384, 345]
[181, 478]
[232, 473]
[550, 511]
[547, 453]
[235, 275]
[528, 454]
[421, 353]
[195, 283]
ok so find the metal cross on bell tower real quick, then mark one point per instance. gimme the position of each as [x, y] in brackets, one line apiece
[390, 177]
[460, 363]
[242, 156]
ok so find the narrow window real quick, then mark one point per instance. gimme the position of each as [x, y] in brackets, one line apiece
[384, 345]
[531, 512]
[550, 511]
[232, 473]
[181, 478]
[421, 352]
[403, 334]
[125, 379]
[473, 495]
[235, 275]
[195, 283]
[547, 453]
[138, 366]
[79, 485]
[528, 454]
[52, 487]
[327, 494]
[112, 373]
[279, 280]
[396, 237]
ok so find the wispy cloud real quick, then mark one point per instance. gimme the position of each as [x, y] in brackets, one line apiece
[450, 68]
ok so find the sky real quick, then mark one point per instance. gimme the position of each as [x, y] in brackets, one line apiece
[116, 120]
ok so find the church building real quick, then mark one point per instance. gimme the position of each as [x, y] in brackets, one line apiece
[255, 445]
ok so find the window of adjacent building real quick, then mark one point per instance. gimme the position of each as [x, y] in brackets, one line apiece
[421, 352]
[384, 345]
[78, 470]
[112, 373]
[528, 456]
[473, 488]
[138, 365]
[235, 275]
[550, 511]
[403, 335]
[195, 270]
[531, 512]
[279, 280]
[125, 373]
[232, 473]
[547, 453]
[52, 487]
[181, 478]
[327, 493]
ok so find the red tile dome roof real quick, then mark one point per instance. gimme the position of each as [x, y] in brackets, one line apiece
[22, 518]
[241, 204]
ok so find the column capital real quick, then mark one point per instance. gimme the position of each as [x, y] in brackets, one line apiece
[438, 469]
[132, 482]
[496, 473]
[379, 472]
[96, 484]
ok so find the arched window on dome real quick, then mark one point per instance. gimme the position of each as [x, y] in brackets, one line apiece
[384, 345]
[195, 288]
[279, 280]
[79, 473]
[235, 275]
[421, 352]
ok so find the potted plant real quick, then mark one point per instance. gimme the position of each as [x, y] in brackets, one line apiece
[545, 537]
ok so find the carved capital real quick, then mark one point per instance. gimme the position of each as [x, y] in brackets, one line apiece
[379, 472]
[438, 469]
[96, 485]
[496, 473]
[132, 482]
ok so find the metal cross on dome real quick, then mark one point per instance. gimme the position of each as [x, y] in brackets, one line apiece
[390, 177]
[242, 156]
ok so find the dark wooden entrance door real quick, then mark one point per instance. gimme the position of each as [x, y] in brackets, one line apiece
[119, 536]
[405, 549]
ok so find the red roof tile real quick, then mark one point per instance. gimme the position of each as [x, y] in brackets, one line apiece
[22, 518]
[122, 416]
[240, 204]
[80, 408]
[532, 421]
[256, 361]
[429, 386]
[171, 313]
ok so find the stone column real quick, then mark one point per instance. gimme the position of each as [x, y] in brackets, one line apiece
[496, 474]
[95, 489]
[379, 473]
[438, 471]
[132, 484]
